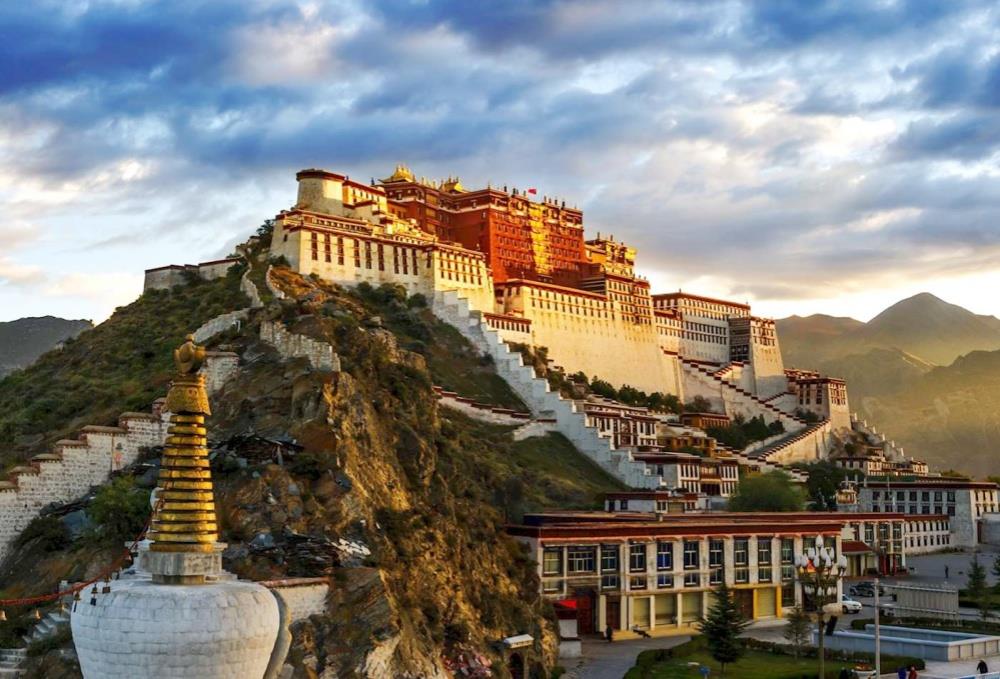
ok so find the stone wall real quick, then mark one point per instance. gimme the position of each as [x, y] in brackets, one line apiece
[219, 368]
[480, 411]
[76, 465]
[166, 277]
[291, 345]
[220, 323]
[250, 289]
[275, 290]
[586, 332]
[302, 597]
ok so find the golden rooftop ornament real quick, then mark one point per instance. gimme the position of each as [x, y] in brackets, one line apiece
[184, 518]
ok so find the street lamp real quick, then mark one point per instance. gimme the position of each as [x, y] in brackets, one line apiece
[819, 570]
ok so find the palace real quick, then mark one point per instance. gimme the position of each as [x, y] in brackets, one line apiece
[527, 267]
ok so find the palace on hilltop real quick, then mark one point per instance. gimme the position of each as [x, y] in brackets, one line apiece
[505, 263]
[527, 266]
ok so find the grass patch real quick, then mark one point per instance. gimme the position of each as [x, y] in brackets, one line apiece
[543, 472]
[452, 361]
[684, 661]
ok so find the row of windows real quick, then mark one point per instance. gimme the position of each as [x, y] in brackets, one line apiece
[584, 559]
[925, 496]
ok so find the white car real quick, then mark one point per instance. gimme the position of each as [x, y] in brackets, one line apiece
[850, 605]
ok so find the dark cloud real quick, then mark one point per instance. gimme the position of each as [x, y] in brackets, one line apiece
[709, 133]
[962, 136]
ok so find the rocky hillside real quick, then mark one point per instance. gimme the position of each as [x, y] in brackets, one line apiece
[375, 461]
[25, 339]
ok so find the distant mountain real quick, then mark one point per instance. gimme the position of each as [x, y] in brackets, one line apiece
[24, 340]
[948, 415]
[923, 326]
[807, 339]
[931, 328]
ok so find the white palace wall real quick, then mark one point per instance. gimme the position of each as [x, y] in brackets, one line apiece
[585, 332]
[418, 266]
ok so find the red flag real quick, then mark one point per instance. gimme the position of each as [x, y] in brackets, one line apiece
[533, 191]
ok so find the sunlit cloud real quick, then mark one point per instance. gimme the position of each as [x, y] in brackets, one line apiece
[806, 157]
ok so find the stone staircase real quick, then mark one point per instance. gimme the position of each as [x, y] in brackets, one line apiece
[545, 404]
[805, 445]
[47, 626]
[762, 465]
[11, 660]
[738, 401]
[891, 450]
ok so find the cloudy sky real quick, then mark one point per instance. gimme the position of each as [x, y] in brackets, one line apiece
[807, 156]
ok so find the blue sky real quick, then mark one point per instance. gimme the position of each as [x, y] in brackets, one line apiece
[806, 156]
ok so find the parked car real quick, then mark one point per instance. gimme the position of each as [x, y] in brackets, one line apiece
[866, 589]
[850, 605]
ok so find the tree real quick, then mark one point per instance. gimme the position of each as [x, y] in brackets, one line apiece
[699, 404]
[976, 586]
[797, 628]
[722, 627]
[770, 492]
[825, 478]
[120, 510]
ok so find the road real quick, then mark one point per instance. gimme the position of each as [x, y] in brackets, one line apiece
[602, 660]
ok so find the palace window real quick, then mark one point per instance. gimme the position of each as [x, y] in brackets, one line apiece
[716, 561]
[609, 558]
[552, 561]
[581, 559]
[764, 551]
[637, 558]
[787, 550]
[691, 559]
[664, 556]
[741, 559]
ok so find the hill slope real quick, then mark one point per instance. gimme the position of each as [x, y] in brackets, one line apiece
[427, 489]
[930, 328]
[25, 339]
[122, 364]
[950, 416]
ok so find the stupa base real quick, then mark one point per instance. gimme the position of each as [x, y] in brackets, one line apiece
[144, 630]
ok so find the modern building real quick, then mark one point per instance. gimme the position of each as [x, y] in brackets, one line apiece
[964, 502]
[656, 573]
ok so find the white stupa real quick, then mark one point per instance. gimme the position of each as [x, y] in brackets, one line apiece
[190, 619]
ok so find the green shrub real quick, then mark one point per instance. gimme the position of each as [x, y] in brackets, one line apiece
[119, 510]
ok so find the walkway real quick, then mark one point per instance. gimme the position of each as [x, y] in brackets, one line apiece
[602, 660]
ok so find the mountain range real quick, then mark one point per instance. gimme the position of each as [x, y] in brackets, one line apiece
[924, 371]
[25, 339]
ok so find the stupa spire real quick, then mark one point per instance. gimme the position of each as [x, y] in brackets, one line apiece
[184, 518]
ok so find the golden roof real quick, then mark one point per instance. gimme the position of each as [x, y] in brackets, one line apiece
[402, 174]
[453, 185]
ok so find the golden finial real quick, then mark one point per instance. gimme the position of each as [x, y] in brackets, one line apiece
[189, 357]
[184, 518]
